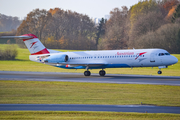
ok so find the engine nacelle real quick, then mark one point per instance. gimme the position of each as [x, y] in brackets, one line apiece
[56, 59]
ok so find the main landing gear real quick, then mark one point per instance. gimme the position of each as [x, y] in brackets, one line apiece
[88, 73]
[102, 73]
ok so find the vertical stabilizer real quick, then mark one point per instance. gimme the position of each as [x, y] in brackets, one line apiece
[34, 45]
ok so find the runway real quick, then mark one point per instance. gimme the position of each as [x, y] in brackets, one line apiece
[76, 107]
[94, 78]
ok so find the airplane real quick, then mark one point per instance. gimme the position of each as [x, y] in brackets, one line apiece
[96, 59]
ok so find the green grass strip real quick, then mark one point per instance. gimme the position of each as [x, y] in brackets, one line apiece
[37, 92]
[57, 115]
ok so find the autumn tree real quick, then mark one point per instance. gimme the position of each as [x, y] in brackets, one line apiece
[56, 26]
[168, 4]
[142, 8]
[146, 16]
[176, 15]
[35, 23]
[71, 30]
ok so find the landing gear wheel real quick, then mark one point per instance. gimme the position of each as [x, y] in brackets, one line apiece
[159, 72]
[87, 73]
[102, 73]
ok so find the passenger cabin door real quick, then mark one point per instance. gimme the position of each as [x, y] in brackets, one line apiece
[152, 59]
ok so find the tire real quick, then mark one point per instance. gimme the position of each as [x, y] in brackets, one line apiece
[102, 73]
[159, 72]
[87, 73]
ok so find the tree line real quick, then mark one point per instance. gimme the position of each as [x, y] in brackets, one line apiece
[8, 23]
[57, 28]
[147, 24]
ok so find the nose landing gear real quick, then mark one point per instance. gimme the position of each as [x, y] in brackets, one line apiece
[159, 72]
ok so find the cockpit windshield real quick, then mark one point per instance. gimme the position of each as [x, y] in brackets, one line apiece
[162, 54]
[167, 54]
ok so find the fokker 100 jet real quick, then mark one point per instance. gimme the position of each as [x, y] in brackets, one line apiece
[96, 59]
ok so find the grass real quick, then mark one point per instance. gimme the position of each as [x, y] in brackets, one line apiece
[22, 63]
[37, 92]
[56, 115]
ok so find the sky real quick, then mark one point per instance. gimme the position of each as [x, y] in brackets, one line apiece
[92, 8]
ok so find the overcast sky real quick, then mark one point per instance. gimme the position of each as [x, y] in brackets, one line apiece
[92, 8]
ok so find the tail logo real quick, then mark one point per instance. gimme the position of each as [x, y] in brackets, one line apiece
[33, 44]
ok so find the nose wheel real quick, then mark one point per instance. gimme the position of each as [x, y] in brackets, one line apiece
[159, 72]
[87, 73]
[102, 73]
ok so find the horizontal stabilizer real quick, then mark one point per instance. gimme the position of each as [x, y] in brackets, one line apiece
[20, 37]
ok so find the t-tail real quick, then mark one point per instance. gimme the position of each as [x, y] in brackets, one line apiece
[32, 42]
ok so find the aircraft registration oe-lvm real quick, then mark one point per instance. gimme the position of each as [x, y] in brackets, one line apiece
[96, 59]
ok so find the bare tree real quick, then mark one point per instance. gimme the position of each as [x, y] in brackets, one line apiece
[115, 35]
[166, 37]
[149, 23]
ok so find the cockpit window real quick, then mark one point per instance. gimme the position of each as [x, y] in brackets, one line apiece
[167, 54]
[162, 54]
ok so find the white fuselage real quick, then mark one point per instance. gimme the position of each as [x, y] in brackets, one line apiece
[111, 59]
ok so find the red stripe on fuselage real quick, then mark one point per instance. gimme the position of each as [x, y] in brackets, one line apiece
[44, 51]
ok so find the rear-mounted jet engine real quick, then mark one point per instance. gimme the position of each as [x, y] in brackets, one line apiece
[56, 59]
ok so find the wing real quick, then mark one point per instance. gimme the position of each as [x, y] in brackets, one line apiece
[83, 65]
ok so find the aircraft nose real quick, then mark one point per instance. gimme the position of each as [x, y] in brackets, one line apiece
[174, 60]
